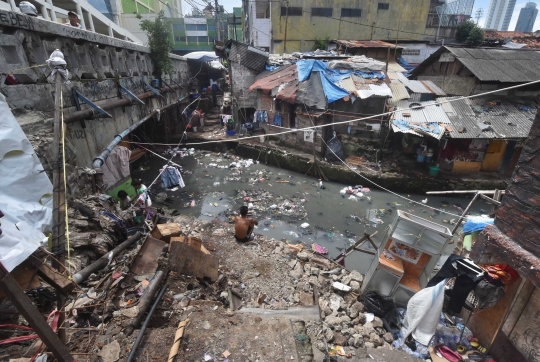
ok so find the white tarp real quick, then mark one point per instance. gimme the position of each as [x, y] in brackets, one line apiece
[25, 195]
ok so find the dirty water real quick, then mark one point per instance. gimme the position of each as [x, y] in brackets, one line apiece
[335, 221]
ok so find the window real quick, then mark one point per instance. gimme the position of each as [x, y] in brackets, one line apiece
[351, 13]
[178, 27]
[293, 11]
[202, 39]
[326, 12]
[411, 52]
[176, 39]
[198, 27]
[384, 6]
[192, 39]
[211, 27]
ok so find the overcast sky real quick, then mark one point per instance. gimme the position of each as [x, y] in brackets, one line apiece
[484, 4]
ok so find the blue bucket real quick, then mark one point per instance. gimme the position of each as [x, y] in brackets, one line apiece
[420, 158]
[231, 133]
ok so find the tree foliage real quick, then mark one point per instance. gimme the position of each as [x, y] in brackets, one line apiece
[470, 33]
[476, 37]
[159, 35]
[321, 44]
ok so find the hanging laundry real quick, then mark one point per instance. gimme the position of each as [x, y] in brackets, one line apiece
[278, 120]
[171, 177]
[262, 116]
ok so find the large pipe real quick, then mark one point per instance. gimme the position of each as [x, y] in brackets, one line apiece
[145, 301]
[104, 260]
[135, 346]
[100, 160]
[89, 112]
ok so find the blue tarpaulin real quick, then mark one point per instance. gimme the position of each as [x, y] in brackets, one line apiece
[476, 223]
[405, 126]
[332, 91]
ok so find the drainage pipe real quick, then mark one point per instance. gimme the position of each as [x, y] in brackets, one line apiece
[100, 160]
[135, 346]
[145, 301]
[105, 259]
[89, 112]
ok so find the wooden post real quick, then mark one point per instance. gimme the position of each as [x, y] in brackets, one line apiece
[59, 202]
[286, 23]
[29, 311]
[465, 212]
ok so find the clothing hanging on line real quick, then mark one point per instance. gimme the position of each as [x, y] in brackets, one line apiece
[261, 116]
[278, 119]
[467, 275]
[171, 177]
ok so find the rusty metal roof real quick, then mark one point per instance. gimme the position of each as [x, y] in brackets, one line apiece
[366, 44]
[284, 75]
[500, 118]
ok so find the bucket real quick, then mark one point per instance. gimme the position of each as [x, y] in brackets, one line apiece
[434, 171]
[429, 157]
[420, 158]
[231, 133]
[155, 83]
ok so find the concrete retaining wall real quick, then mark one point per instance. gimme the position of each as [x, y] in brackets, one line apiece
[96, 65]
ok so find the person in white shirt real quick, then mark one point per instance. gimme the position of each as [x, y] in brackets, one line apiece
[143, 200]
[74, 20]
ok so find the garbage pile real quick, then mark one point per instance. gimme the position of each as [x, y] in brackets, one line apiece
[263, 202]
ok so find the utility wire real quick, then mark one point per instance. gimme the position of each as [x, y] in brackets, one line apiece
[373, 182]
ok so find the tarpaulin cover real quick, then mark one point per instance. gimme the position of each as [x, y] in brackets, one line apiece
[359, 62]
[25, 195]
[405, 126]
[332, 91]
[311, 93]
[476, 223]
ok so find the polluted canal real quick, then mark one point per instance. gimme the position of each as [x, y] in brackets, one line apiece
[291, 206]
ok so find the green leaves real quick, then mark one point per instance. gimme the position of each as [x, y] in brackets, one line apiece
[159, 35]
[468, 32]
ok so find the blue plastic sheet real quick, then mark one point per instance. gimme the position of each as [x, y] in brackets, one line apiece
[370, 75]
[405, 126]
[272, 67]
[476, 223]
[332, 91]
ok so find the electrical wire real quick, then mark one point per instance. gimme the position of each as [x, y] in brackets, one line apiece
[373, 182]
[355, 120]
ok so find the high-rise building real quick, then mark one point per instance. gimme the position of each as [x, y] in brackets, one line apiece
[527, 17]
[499, 14]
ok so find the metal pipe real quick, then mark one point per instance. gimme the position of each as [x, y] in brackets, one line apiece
[87, 113]
[99, 160]
[145, 301]
[143, 329]
[104, 260]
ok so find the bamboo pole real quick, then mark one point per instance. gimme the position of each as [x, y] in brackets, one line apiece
[481, 192]
[177, 339]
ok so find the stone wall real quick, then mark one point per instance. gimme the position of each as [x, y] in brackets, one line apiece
[96, 65]
[519, 215]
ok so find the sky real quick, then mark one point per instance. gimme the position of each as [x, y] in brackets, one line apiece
[484, 4]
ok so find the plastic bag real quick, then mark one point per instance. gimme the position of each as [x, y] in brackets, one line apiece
[335, 150]
[378, 304]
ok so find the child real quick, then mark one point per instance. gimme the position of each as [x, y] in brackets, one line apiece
[125, 200]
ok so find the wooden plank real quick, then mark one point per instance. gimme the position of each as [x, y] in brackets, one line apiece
[146, 261]
[166, 231]
[25, 275]
[191, 241]
[33, 317]
[187, 260]
[55, 279]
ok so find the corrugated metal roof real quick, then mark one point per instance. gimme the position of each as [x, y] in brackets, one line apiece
[381, 90]
[348, 84]
[399, 92]
[433, 87]
[284, 75]
[248, 56]
[506, 119]
[502, 65]
[366, 44]
[428, 112]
